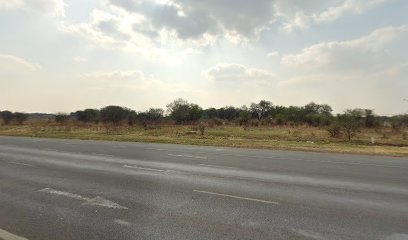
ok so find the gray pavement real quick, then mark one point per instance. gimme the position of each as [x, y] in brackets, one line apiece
[72, 189]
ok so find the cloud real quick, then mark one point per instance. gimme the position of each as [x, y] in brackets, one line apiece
[273, 54]
[119, 76]
[150, 24]
[375, 50]
[230, 72]
[17, 64]
[380, 90]
[109, 30]
[47, 7]
[79, 59]
[369, 71]
[193, 19]
[300, 14]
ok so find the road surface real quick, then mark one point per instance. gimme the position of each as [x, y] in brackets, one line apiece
[72, 189]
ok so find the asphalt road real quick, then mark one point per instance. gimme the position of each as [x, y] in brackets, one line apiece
[71, 189]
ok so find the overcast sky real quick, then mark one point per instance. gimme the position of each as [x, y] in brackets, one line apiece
[61, 56]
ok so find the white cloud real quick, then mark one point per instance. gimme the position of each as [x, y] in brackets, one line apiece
[159, 24]
[80, 59]
[47, 7]
[301, 14]
[117, 77]
[273, 54]
[109, 29]
[369, 71]
[363, 53]
[192, 19]
[17, 64]
[382, 90]
[231, 72]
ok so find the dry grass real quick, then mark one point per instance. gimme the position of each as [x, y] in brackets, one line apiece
[386, 141]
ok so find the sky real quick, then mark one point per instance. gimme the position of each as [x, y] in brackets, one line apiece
[65, 55]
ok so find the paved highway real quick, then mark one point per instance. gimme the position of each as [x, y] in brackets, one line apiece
[72, 189]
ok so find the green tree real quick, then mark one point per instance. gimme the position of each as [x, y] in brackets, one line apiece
[114, 114]
[7, 116]
[154, 114]
[195, 112]
[20, 117]
[245, 115]
[87, 115]
[132, 118]
[369, 118]
[351, 122]
[210, 113]
[182, 111]
[61, 117]
[262, 109]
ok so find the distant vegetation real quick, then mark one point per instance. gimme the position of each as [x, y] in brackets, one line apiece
[262, 121]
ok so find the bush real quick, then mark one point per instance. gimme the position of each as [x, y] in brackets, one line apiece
[114, 114]
[7, 116]
[20, 117]
[182, 111]
[334, 130]
[61, 118]
[87, 115]
[201, 127]
[350, 121]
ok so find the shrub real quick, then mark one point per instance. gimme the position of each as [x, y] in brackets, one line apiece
[87, 115]
[7, 116]
[114, 114]
[334, 130]
[61, 117]
[20, 117]
[201, 127]
[350, 121]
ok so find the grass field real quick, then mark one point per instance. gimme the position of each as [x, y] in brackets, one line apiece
[383, 141]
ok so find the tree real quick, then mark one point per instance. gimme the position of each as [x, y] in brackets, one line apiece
[154, 114]
[229, 112]
[178, 110]
[7, 116]
[369, 118]
[182, 111]
[61, 117]
[132, 118]
[114, 114]
[317, 114]
[20, 117]
[261, 109]
[210, 113]
[334, 129]
[244, 116]
[351, 121]
[195, 112]
[87, 115]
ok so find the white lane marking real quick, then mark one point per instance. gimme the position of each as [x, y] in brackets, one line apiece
[143, 168]
[122, 222]
[216, 166]
[9, 236]
[96, 201]
[22, 164]
[187, 156]
[236, 197]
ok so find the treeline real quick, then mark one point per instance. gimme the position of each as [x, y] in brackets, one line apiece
[263, 113]
[18, 117]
